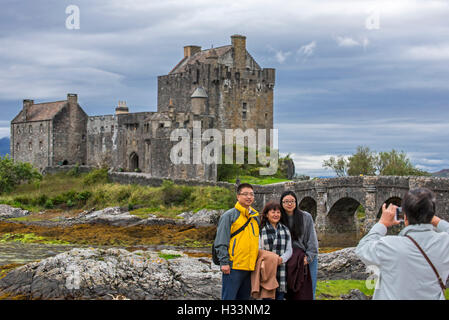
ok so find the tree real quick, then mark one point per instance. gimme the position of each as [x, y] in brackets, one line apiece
[395, 163]
[339, 165]
[367, 162]
[362, 162]
[14, 173]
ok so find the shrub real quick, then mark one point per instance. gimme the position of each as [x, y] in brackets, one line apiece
[49, 204]
[14, 173]
[173, 194]
[41, 200]
[83, 195]
[96, 176]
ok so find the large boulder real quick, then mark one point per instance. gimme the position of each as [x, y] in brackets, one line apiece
[112, 216]
[201, 218]
[107, 273]
[7, 212]
[341, 264]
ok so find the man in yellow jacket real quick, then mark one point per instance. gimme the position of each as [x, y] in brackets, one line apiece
[238, 254]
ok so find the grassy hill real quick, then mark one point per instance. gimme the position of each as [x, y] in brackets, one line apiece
[77, 192]
[441, 174]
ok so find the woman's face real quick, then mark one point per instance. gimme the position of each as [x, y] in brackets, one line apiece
[289, 203]
[274, 216]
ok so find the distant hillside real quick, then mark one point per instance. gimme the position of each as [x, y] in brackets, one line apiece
[441, 174]
[4, 146]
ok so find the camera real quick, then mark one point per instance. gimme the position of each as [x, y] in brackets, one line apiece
[399, 215]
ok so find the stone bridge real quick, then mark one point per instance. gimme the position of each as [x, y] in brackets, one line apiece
[345, 208]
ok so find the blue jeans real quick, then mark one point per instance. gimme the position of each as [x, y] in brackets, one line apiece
[313, 267]
[236, 285]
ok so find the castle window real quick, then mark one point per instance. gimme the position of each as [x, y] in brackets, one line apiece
[161, 125]
[17, 147]
[112, 128]
[41, 145]
[41, 128]
[197, 76]
[30, 129]
[102, 129]
[30, 146]
[244, 115]
[244, 106]
[266, 116]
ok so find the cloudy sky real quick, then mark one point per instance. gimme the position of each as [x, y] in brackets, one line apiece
[348, 73]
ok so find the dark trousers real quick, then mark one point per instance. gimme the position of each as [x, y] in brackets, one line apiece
[279, 295]
[236, 285]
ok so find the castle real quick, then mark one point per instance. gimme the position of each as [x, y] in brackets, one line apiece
[221, 88]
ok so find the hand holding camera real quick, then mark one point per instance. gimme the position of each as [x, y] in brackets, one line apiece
[390, 215]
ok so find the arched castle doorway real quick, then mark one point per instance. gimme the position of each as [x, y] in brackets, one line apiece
[133, 162]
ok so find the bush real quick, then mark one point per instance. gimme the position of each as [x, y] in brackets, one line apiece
[96, 176]
[14, 173]
[41, 200]
[173, 194]
[49, 204]
[83, 195]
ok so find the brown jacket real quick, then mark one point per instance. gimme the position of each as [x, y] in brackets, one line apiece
[263, 278]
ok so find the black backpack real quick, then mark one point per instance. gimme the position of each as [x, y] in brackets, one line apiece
[214, 251]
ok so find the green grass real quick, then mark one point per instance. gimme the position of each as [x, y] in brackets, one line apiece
[259, 180]
[169, 256]
[28, 238]
[332, 289]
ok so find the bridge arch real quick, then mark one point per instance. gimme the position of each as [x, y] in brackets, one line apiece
[396, 200]
[308, 204]
[344, 221]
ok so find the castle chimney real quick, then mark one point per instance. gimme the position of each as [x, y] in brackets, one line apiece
[72, 98]
[191, 50]
[239, 48]
[171, 109]
[27, 103]
[121, 108]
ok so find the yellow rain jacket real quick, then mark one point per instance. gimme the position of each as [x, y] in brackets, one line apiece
[240, 251]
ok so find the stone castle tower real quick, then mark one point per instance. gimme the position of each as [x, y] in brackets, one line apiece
[221, 88]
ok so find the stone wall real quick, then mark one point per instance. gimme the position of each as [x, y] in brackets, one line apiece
[31, 142]
[65, 169]
[147, 180]
[69, 134]
[103, 140]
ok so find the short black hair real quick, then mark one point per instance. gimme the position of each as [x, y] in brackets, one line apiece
[244, 185]
[419, 205]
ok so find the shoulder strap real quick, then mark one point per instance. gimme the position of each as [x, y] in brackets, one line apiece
[241, 228]
[443, 287]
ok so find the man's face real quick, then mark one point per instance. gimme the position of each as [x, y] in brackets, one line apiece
[246, 197]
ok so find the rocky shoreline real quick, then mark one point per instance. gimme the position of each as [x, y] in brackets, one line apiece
[108, 273]
[142, 274]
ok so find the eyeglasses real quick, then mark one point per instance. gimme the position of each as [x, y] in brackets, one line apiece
[288, 201]
[247, 194]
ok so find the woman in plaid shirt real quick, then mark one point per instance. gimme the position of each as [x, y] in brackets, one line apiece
[275, 237]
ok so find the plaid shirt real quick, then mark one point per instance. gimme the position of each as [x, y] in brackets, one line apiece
[275, 240]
